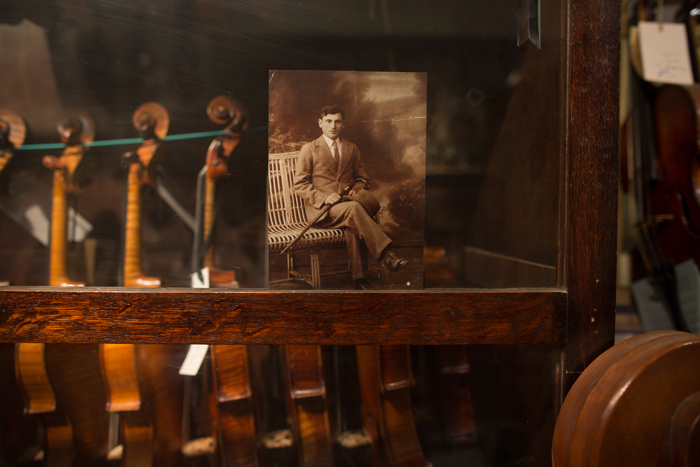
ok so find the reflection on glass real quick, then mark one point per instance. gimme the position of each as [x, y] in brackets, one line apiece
[494, 131]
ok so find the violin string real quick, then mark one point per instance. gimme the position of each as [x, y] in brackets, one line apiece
[123, 141]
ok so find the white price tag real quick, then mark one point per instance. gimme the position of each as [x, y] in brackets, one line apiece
[201, 280]
[193, 360]
[665, 54]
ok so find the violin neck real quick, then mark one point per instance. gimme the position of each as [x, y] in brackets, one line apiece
[209, 206]
[58, 274]
[132, 236]
[59, 228]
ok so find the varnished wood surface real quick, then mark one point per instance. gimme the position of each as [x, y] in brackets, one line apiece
[263, 317]
[30, 366]
[455, 394]
[136, 433]
[636, 405]
[59, 450]
[162, 395]
[64, 169]
[591, 211]
[133, 273]
[307, 404]
[385, 381]
[234, 410]
[119, 376]
[75, 374]
[20, 433]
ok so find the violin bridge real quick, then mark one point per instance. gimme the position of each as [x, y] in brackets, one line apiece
[529, 22]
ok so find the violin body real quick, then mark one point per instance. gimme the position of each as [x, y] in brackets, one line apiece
[307, 404]
[385, 382]
[118, 365]
[234, 410]
[20, 441]
[455, 394]
[40, 399]
[75, 375]
[162, 396]
[675, 199]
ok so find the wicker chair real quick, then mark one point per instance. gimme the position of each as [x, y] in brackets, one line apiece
[287, 217]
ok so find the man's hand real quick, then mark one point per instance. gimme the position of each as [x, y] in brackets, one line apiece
[332, 198]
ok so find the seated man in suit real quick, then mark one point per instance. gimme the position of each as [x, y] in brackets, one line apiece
[324, 169]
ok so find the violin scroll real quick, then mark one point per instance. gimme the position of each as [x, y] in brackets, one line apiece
[230, 112]
[151, 120]
[76, 127]
[12, 134]
[233, 114]
[12, 130]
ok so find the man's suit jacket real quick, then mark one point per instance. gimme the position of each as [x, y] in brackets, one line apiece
[316, 176]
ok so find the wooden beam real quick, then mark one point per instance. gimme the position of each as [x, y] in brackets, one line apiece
[178, 316]
[594, 61]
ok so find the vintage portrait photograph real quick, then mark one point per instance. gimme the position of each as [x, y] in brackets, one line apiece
[346, 184]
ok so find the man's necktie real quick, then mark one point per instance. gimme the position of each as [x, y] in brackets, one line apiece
[336, 155]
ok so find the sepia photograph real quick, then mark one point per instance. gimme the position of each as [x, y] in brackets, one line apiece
[346, 179]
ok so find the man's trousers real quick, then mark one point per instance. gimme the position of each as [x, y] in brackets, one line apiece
[358, 226]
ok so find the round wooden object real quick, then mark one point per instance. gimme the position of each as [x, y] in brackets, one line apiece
[226, 111]
[638, 404]
[82, 119]
[158, 113]
[17, 128]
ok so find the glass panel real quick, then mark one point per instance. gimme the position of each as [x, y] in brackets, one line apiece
[494, 146]
[274, 405]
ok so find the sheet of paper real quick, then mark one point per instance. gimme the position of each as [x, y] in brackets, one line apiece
[200, 280]
[665, 54]
[652, 308]
[193, 359]
[650, 305]
[688, 282]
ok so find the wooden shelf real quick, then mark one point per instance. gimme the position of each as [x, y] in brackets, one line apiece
[178, 316]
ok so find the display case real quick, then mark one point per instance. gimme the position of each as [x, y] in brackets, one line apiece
[517, 218]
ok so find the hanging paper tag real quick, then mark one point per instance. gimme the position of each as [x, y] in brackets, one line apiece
[688, 282]
[652, 308]
[649, 302]
[664, 50]
[193, 360]
[200, 280]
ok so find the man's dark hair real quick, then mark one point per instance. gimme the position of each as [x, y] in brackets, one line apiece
[332, 109]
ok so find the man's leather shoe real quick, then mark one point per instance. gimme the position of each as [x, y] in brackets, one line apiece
[393, 262]
[363, 284]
